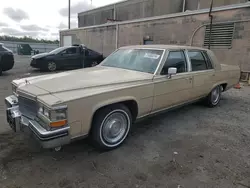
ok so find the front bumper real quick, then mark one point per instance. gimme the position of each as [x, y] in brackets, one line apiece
[47, 139]
[34, 63]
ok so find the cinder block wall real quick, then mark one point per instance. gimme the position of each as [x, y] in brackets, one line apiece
[177, 30]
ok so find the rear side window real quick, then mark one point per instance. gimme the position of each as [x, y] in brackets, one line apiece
[176, 59]
[71, 51]
[198, 61]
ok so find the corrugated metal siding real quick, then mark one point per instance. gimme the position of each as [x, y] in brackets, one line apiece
[221, 35]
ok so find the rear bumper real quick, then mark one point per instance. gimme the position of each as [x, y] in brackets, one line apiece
[7, 62]
[47, 139]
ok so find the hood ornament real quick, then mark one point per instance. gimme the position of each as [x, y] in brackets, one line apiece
[26, 81]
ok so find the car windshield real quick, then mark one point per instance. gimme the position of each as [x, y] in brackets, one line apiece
[57, 50]
[143, 60]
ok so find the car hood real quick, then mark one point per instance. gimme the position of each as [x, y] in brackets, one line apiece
[40, 55]
[88, 78]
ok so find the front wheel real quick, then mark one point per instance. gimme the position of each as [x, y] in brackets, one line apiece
[111, 126]
[1, 71]
[51, 66]
[214, 97]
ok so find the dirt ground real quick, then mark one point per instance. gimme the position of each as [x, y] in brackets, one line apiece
[190, 147]
[193, 146]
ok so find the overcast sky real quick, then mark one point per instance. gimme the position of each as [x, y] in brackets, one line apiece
[42, 19]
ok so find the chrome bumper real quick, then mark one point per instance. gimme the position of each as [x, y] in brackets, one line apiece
[47, 139]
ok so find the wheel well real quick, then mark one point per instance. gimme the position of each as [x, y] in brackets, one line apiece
[224, 86]
[130, 104]
[133, 107]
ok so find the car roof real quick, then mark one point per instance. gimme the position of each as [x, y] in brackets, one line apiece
[161, 46]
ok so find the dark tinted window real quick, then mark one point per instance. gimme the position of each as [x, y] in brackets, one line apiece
[69, 51]
[177, 60]
[93, 53]
[197, 61]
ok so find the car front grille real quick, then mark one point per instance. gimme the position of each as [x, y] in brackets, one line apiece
[27, 107]
[33, 62]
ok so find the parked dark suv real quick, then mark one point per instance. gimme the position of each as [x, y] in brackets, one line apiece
[6, 59]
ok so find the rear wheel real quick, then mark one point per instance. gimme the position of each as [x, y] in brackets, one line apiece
[214, 97]
[51, 66]
[111, 126]
[1, 71]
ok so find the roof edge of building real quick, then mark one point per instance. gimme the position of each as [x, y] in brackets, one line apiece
[101, 7]
[179, 14]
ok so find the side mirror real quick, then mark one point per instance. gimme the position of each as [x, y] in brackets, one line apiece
[172, 71]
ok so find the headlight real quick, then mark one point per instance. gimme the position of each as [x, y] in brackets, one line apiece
[57, 116]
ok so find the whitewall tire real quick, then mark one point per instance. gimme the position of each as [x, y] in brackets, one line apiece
[111, 126]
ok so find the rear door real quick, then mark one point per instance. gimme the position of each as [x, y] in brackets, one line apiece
[202, 72]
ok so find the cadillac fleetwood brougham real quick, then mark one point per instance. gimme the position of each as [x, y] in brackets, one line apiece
[103, 102]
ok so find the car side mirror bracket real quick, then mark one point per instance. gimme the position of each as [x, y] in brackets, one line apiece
[171, 71]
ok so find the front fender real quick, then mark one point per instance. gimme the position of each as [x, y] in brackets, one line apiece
[113, 101]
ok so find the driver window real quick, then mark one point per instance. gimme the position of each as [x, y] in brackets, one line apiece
[69, 51]
[176, 59]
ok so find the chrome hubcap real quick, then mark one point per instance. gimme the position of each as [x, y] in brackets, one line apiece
[215, 95]
[114, 127]
[51, 66]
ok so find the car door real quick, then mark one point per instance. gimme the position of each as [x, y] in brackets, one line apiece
[68, 57]
[169, 92]
[91, 58]
[202, 72]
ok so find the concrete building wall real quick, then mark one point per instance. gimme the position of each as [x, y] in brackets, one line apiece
[217, 3]
[129, 10]
[176, 29]
[201, 4]
[135, 9]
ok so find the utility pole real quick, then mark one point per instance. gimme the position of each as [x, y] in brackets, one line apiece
[69, 16]
[211, 23]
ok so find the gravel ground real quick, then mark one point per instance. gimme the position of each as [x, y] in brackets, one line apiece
[193, 146]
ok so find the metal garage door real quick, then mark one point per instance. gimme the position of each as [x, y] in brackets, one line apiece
[67, 40]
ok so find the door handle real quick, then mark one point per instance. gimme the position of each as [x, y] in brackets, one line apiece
[189, 78]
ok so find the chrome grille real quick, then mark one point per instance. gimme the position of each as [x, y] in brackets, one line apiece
[27, 107]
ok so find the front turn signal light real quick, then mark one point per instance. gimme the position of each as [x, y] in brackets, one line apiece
[58, 123]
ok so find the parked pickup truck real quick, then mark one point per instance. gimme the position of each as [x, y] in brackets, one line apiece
[76, 56]
[104, 101]
[6, 59]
